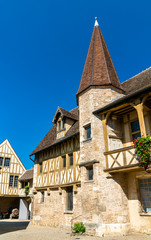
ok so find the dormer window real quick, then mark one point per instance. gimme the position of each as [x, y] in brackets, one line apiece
[64, 120]
[59, 125]
[63, 123]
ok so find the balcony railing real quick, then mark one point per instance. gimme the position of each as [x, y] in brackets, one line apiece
[122, 158]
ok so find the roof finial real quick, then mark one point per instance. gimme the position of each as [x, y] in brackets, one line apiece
[96, 22]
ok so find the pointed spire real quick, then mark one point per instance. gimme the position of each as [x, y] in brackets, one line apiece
[96, 22]
[99, 69]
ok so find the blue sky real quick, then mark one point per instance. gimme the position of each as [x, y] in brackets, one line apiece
[43, 47]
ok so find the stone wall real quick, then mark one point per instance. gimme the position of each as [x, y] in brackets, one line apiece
[104, 200]
[53, 211]
[140, 221]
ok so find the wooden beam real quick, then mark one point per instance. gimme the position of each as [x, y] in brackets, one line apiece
[132, 167]
[119, 150]
[104, 122]
[139, 109]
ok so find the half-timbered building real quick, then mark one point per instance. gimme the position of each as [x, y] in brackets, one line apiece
[85, 167]
[11, 168]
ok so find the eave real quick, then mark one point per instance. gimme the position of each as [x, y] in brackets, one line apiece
[122, 101]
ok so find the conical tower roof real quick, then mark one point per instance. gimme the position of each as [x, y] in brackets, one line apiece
[99, 69]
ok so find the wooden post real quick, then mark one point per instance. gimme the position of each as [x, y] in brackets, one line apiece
[139, 109]
[74, 166]
[104, 122]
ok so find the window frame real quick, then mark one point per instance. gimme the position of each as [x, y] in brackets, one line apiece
[69, 201]
[133, 133]
[6, 158]
[87, 135]
[71, 154]
[2, 161]
[141, 195]
[63, 123]
[12, 180]
[15, 180]
[42, 196]
[40, 168]
[24, 184]
[64, 165]
[88, 168]
[59, 125]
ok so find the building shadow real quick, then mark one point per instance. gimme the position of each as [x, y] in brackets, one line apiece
[12, 226]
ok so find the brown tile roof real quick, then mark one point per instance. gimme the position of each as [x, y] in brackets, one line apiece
[28, 175]
[99, 69]
[50, 138]
[137, 82]
[133, 87]
[64, 113]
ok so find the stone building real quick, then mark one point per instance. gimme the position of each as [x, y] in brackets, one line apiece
[85, 167]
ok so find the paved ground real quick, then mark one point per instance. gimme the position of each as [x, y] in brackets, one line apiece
[17, 230]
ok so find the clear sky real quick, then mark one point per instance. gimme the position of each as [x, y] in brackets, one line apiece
[43, 47]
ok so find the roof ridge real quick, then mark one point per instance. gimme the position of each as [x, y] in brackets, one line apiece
[104, 57]
[74, 108]
[93, 56]
[68, 110]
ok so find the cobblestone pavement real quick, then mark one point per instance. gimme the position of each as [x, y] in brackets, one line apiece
[17, 230]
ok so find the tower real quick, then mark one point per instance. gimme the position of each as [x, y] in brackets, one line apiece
[99, 86]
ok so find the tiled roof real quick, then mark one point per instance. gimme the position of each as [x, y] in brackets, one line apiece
[133, 87]
[137, 82]
[28, 175]
[64, 113]
[99, 69]
[50, 138]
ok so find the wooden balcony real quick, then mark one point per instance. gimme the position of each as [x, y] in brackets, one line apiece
[123, 159]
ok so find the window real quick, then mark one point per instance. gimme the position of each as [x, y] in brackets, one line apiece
[145, 189]
[40, 167]
[69, 191]
[24, 184]
[16, 181]
[90, 173]
[7, 162]
[71, 159]
[88, 132]
[42, 197]
[63, 123]
[11, 179]
[135, 129]
[59, 125]
[1, 161]
[64, 161]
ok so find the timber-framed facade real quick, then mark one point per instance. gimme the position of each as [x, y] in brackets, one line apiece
[11, 168]
[85, 167]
